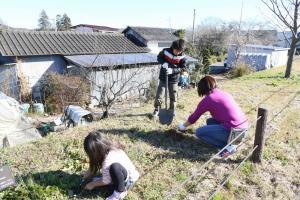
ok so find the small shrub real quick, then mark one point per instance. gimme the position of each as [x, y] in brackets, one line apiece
[151, 91]
[247, 169]
[229, 185]
[282, 158]
[180, 177]
[267, 154]
[206, 60]
[240, 70]
[198, 73]
[61, 90]
[25, 89]
[213, 59]
[29, 189]
[218, 196]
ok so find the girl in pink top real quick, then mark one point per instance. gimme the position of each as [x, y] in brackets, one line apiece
[225, 112]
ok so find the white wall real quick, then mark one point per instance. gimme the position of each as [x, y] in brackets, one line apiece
[279, 58]
[156, 46]
[258, 58]
[153, 46]
[34, 68]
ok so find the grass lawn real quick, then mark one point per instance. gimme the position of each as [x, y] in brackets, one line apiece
[51, 167]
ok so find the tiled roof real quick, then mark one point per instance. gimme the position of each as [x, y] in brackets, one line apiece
[153, 34]
[30, 43]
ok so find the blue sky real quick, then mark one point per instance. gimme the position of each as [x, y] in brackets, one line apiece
[120, 13]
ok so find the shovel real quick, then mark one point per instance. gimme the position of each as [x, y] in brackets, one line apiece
[165, 115]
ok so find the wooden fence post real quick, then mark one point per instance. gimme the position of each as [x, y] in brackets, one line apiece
[260, 135]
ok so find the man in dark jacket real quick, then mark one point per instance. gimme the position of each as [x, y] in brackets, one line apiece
[173, 62]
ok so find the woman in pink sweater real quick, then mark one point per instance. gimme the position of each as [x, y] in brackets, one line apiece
[225, 112]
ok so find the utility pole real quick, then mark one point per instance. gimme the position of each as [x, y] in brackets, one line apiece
[193, 36]
[241, 17]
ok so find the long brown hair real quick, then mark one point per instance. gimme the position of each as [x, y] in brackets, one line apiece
[206, 85]
[97, 148]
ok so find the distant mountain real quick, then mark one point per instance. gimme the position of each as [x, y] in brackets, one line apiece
[5, 27]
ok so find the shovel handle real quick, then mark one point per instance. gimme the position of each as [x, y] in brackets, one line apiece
[166, 89]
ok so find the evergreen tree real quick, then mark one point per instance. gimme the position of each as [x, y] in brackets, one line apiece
[63, 23]
[43, 21]
[66, 22]
[58, 22]
[206, 62]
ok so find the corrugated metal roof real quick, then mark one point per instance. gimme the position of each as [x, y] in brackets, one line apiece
[103, 28]
[254, 46]
[112, 59]
[153, 34]
[32, 43]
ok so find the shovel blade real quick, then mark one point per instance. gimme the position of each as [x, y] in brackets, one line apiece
[165, 116]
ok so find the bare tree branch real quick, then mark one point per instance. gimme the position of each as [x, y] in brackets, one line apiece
[277, 9]
[286, 10]
[276, 12]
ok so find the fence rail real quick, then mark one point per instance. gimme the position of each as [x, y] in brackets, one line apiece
[256, 153]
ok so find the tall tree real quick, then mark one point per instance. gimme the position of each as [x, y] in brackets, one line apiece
[58, 21]
[66, 22]
[44, 23]
[206, 63]
[63, 23]
[286, 16]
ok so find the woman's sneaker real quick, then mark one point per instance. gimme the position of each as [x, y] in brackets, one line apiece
[117, 195]
[231, 149]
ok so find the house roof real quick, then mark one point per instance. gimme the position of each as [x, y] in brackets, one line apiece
[102, 28]
[33, 43]
[112, 59]
[153, 34]
[262, 47]
[104, 60]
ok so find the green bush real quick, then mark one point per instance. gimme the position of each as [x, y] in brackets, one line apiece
[60, 90]
[197, 74]
[213, 59]
[151, 90]
[32, 190]
[240, 70]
